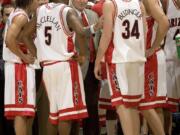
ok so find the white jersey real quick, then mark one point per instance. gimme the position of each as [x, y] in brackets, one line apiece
[128, 41]
[173, 14]
[7, 54]
[54, 39]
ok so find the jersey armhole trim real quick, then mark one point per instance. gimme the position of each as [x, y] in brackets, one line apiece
[18, 15]
[66, 31]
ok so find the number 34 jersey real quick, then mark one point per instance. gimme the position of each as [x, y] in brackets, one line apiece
[128, 35]
[54, 40]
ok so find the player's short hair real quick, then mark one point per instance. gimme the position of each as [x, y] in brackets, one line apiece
[23, 3]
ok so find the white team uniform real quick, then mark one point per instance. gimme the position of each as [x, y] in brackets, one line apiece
[155, 73]
[172, 61]
[155, 89]
[125, 55]
[19, 79]
[104, 95]
[62, 76]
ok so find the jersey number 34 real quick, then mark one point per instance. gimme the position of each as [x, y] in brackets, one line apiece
[128, 32]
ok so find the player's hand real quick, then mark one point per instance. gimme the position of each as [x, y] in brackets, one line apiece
[79, 58]
[150, 52]
[99, 24]
[28, 59]
[97, 70]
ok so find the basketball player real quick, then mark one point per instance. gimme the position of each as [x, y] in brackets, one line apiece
[56, 24]
[19, 76]
[172, 10]
[105, 107]
[122, 45]
[154, 96]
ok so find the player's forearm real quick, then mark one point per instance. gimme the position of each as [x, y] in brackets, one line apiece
[100, 54]
[29, 43]
[12, 46]
[161, 32]
[104, 43]
[81, 43]
[75, 24]
[87, 31]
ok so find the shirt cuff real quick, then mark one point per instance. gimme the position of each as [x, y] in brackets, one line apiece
[92, 29]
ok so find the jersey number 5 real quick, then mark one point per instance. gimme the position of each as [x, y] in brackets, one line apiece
[48, 36]
[130, 33]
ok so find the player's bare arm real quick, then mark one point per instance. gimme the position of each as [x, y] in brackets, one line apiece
[108, 13]
[12, 38]
[81, 32]
[27, 33]
[82, 53]
[153, 9]
[144, 20]
[75, 24]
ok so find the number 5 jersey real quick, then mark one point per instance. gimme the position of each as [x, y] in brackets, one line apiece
[54, 39]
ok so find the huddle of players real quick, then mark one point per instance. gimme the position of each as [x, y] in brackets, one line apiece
[130, 46]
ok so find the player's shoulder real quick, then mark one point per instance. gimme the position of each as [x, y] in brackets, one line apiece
[20, 20]
[109, 3]
[19, 15]
[18, 12]
[69, 9]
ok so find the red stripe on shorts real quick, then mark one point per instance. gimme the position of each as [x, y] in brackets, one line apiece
[151, 78]
[76, 93]
[114, 81]
[20, 84]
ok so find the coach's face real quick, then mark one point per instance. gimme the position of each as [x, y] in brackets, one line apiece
[80, 5]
